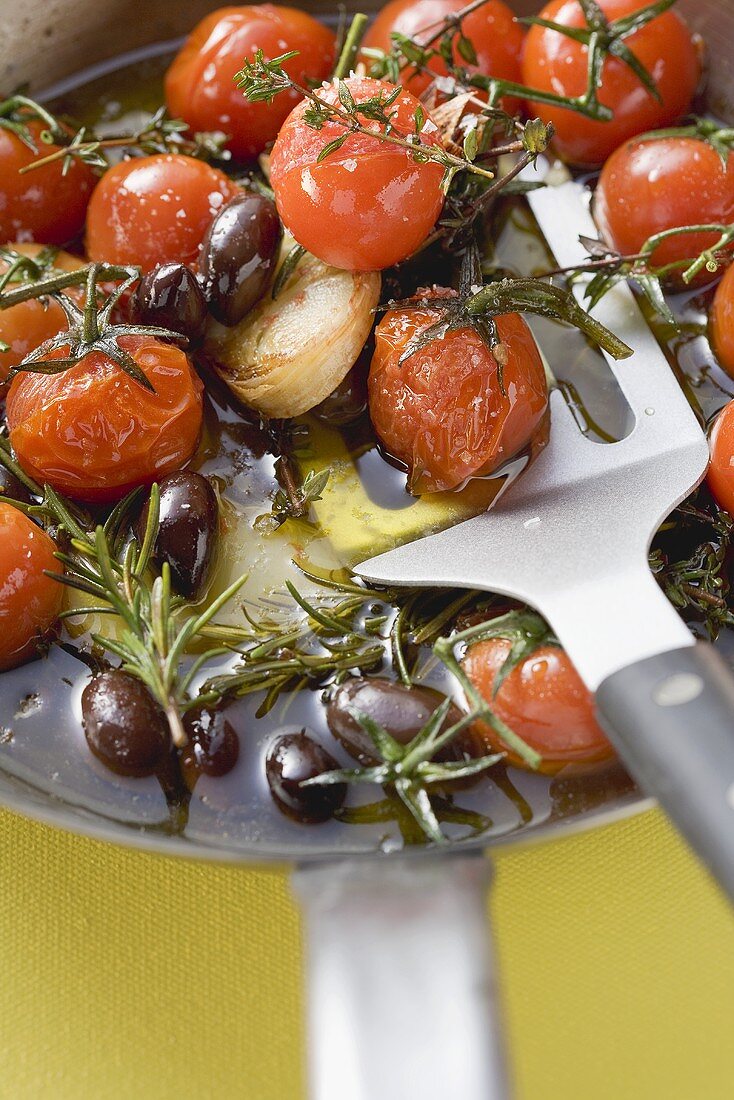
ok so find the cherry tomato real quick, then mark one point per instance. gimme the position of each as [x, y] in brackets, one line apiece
[496, 37]
[94, 433]
[721, 322]
[442, 411]
[648, 186]
[367, 205]
[720, 477]
[543, 700]
[553, 62]
[27, 325]
[200, 85]
[29, 600]
[155, 210]
[43, 205]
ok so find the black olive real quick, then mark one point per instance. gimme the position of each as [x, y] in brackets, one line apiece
[12, 488]
[292, 758]
[239, 254]
[123, 724]
[401, 710]
[170, 296]
[213, 747]
[187, 534]
[346, 403]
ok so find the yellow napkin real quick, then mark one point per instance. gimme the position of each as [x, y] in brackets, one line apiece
[130, 975]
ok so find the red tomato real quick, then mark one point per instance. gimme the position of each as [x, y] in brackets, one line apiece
[553, 62]
[43, 205]
[648, 186]
[367, 205]
[155, 210]
[721, 322]
[543, 700]
[27, 325]
[442, 412]
[496, 37]
[200, 86]
[94, 433]
[720, 477]
[29, 600]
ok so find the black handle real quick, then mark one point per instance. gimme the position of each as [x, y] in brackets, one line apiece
[672, 719]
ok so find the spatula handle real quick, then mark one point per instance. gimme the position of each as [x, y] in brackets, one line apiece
[672, 719]
[402, 1002]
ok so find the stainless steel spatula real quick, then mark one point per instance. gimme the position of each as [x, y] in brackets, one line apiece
[571, 538]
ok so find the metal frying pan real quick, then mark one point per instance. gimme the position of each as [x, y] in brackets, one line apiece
[400, 1028]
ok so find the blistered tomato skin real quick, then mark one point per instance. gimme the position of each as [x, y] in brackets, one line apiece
[553, 62]
[200, 85]
[544, 701]
[442, 412]
[30, 601]
[155, 210]
[720, 477]
[367, 205]
[492, 30]
[44, 205]
[94, 433]
[26, 326]
[721, 322]
[648, 186]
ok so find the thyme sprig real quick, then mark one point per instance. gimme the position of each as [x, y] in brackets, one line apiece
[609, 267]
[411, 770]
[93, 327]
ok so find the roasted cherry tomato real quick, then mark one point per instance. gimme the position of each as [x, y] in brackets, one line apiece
[442, 412]
[43, 205]
[29, 600]
[553, 62]
[543, 700]
[94, 433]
[651, 185]
[721, 322]
[155, 210]
[492, 31]
[200, 85]
[27, 325]
[720, 477]
[366, 205]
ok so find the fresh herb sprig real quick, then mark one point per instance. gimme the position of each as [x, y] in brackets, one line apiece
[411, 770]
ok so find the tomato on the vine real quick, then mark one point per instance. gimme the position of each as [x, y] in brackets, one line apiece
[200, 86]
[553, 62]
[45, 204]
[94, 433]
[496, 39]
[543, 700]
[27, 325]
[30, 601]
[651, 185]
[443, 411]
[721, 322]
[155, 210]
[367, 204]
[720, 476]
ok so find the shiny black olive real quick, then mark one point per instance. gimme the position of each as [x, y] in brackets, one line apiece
[238, 255]
[12, 488]
[292, 758]
[189, 525]
[346, 403]
[123, 724]
[401, 710]
[213, 747]
[170, 296]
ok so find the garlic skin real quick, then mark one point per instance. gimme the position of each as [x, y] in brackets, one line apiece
[287, 355]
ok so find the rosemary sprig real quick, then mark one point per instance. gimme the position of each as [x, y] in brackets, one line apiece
[411, 770]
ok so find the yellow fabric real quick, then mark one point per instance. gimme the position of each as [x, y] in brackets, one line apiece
[129, 975]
